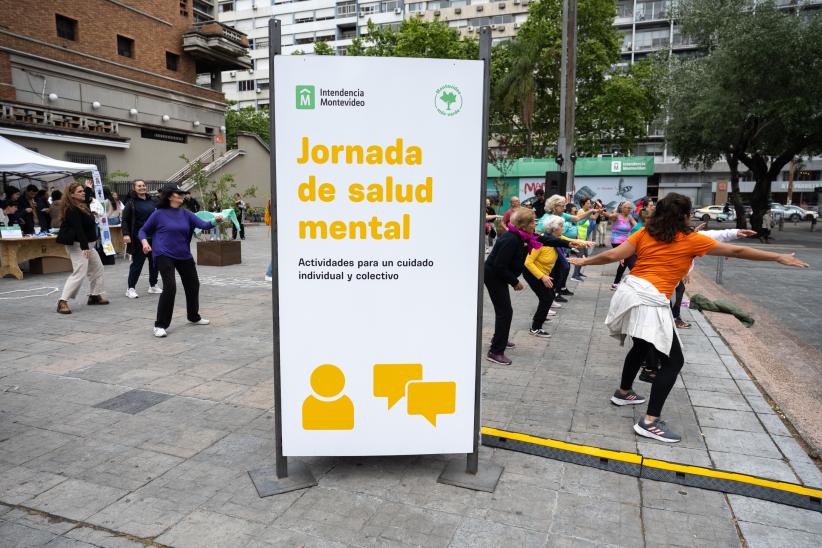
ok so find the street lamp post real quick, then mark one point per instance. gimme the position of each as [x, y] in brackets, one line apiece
[567, 98]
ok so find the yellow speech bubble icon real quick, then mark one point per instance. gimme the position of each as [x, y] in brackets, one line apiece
[430, 399]
[390, 380]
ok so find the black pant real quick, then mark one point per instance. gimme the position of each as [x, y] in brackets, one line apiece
[503, 311]
[560, 271]
[545, 296]
[626, 264]
[492, 234]
[191, 286]
[234, 232]
[136, 267]
[669, 367]
[677, 304]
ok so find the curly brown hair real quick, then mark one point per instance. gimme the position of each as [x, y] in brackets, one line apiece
[670, 217]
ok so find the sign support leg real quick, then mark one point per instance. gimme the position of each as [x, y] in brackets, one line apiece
[471, 475]
[282, 478]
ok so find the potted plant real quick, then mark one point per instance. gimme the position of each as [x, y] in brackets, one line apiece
[216, 248]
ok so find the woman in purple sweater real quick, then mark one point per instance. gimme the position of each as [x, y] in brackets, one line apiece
[170, 228]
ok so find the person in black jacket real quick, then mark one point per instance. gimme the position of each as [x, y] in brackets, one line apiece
[502, 268]
[41, 199]
[137, 211]
[78, 232]
[27, 214]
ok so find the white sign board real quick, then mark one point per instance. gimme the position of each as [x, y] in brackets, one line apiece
[378, 172]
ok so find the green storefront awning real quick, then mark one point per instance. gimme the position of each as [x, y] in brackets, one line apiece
[621, 165]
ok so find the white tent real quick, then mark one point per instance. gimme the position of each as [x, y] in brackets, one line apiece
[17, 161]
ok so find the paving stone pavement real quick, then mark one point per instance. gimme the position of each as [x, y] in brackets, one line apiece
[110, 437]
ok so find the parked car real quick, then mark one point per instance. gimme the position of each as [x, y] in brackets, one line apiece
[712, 213]
[795, 213]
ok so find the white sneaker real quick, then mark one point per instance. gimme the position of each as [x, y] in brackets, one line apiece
[159, 332]
[269, 279]
[202, 321]
[556, 305]
[131, 293]
[552, 313]
[155, 290]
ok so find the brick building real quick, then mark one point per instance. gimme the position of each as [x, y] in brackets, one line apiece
[125, 84]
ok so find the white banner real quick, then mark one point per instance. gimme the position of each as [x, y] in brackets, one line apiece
[105, 233]
[378, 213]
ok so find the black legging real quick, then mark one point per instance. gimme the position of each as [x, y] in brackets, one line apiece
[677, 304]
[503, 311]
[626, 264]
[669, 367]
[545, 296]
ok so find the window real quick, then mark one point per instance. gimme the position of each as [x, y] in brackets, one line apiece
[226, 6]
[172, 61]
[125, 46]
[245, 85]
[98, 160]
[66, 27]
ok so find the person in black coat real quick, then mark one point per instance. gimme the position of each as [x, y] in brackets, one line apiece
[27, 215]
[135, 214]
[78, 232]
[502, 268]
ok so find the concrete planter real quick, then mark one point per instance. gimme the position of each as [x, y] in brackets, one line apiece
[219, 252]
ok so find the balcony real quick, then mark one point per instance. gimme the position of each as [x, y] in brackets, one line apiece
[29, 117]
[217, 47]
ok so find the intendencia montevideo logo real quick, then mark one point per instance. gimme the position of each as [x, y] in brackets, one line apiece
[306, 97]
[448, 100]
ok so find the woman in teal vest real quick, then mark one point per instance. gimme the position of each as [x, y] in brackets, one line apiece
[585, 230]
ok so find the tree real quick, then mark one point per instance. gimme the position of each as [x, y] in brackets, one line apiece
[760, 92]
[614, 107]
[415, 38]
[322, 48]
[246, 119]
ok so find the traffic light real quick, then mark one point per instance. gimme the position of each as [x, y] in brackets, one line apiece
[556, 182]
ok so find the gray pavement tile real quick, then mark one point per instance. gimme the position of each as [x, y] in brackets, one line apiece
[216, 390]
[249, 375]
[130, 469]
[104, 539]
[686, 500]
[275, 536]
[16, 535]
[179, 440]
[600, 484]
[748, 387]
[240, 500]
[31, 444]
[667, 528]
[418, 487]
[64, 542]
[702, 370]
[35, 520]
[239, 452]
[719, 400]
[479, 533]
[76, 499]
[765, 536]
[191, 483]
[203, 528]
[518, 501]
[19, 484]
[601, 423]
[746, 443]
[142, 516]
[728, 419]
[759, 404]
[799, 460]
[82, 422]
[775, 469]
[600, 521]
[175, 383]
[133, 401]
[774, 425]
[396, 523]
[776, 515]
[710, 384]
[331, 514]
[615, 441]
[375, 476]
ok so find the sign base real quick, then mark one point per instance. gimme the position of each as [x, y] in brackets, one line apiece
[485, 479]
[267, 483]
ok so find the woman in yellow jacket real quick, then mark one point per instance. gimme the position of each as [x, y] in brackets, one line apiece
[539, 265]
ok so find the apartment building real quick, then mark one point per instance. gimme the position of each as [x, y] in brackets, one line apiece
[647, 27]
[115, 83]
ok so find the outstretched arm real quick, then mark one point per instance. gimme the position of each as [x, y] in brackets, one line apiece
[751, 254]
[623, 251]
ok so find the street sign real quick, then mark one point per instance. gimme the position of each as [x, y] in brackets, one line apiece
[378, 164]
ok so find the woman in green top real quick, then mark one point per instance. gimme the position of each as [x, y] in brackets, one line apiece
[585, 229]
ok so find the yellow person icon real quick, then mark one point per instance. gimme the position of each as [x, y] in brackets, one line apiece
[331, 410]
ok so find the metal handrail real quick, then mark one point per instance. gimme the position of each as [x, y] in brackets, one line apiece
[184, 171]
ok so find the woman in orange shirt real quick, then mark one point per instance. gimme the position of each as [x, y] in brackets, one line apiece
[640, 306]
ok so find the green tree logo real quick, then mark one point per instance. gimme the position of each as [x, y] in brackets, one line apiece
[448, 100]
